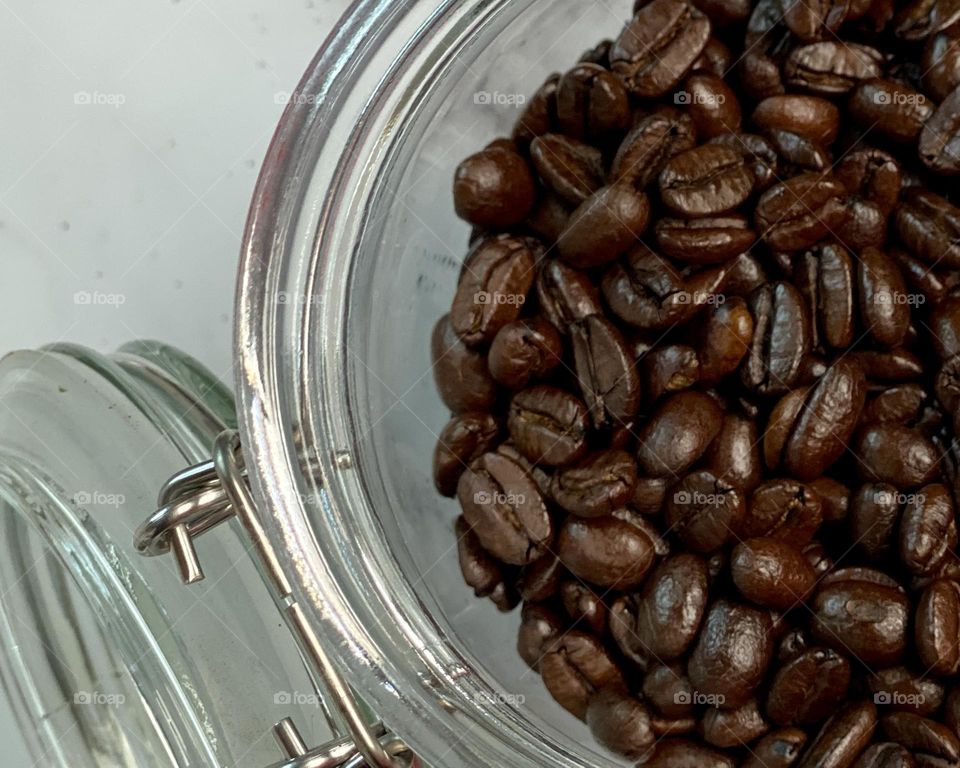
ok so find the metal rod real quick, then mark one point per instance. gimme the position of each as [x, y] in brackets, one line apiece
[289, 738]
[186, 555]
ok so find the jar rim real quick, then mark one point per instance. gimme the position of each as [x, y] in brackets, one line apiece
[292, 240]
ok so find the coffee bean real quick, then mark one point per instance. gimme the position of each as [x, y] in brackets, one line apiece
[929, 226]
[895, 454]
[605, 371]
[574, 667]
[760, 155]
[678, 433]
[941, 64]
[815, 20]
[464, 438]
[670, 369]
[780, 749]
[668, 689]
[882, 297]
[540, 580]
[726, 338]
[922, 18]
[539, 116]
[648, 147]
[649, 494]
[614, 551]
[604, 225]
[885, 755]
[460, 372]
[656, 49]
[683, 753]
[732, 653]
[727, 728]
[524, 350]
[704, 241]
[705, 181]
[798, 151]
[945, 323]
[874, 516]
[890, 108]
[872, 175]
[584, 607]
[939, 140]
[928, 529]
[809, 688]
[565, 295]
[597, 486]
[494, 188]
[862, 618]
[481, 571]
[592, 104]
[783, 509]
[825, 276]
[937, 627]
[930, 742]
[842, 738]
[572, 169]
[781, 338]
[712, 104]
[903, 690]
[704, 511]
[800, 211]
[548, 425]
[734, 456]
[504, 508]
[620, 722]
[538, 628]
[771, 573]
[832, 66]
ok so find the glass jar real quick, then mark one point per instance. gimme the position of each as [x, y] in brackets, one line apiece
[351, 254]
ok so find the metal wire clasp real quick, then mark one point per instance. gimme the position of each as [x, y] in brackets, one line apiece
[201, 497]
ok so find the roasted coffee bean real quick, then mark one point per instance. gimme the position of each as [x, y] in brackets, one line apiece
[481, 571]
[574, 668]
[937, 627]
[716, 58]
[895, 454]
[825, 276]
[945, 324]
[842, 738]
[658, 47]
[664, 726]
[771, 573]
[874, 516]
[902, 404]
[523, 351]
[835, 497]
[592, 104]
[809, 688]
[565, 295]
[883, 297]
[899, 689]
[832, 66]
[670, 369]
[921, 277]
[460, 372]
[809, 116]
[597, 486]
[705, 181]
[605, 371]
[584, 606]
[734, 456]
[539, 116]
[783, 509]
[494, 188]
[727, 728]
[540, 580]
[781, 338]
[941, 64]
[725, 339]
[648, 147]
[890, 108]
[724, 12]
[797, 213]
[678, 433]
[895, 365]
[649, 494]
[614, 551]
[668, 689]
[940, 138]
[497, 275]
[732, 653]
[800, 152]
[548, 425]
[704, 511]
[780, 749]
[572, 169]
[928, 529]
[885, 755]
[873, 175]
[620, 722]
[863, 618]
[683, 753]
[760, 155]
[662, 621]
[464, 438]
[604, 225]
[539, 627]
[815, 20]
[932, 743]
[705, 241]
[712, 104]
[929, 226]
[922, 18]
[503, 506]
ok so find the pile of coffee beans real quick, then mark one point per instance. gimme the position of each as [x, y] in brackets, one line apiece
[704, 367]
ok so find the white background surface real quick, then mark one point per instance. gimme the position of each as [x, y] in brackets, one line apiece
[137, 200]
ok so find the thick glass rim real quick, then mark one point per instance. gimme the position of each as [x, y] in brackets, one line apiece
[306, 217]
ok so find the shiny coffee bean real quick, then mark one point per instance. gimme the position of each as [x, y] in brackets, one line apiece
[883, 297]
[885, 755]
[649, 494]
[574, 668]
[540, 580]
[684, 753]
[548, 425]
[728, 728]
[895, 454]
[892, 109]
[481, 571]
[815, 20]
[709, 240]
[928, 529]
[940, 137]
[539, 116]
[919, 19]
[658, 47]
[670, 369]
[941, 64]
[800, 211]
[605, 371]
[668, 689]
[614, 551]
[826, 277]
[712, 104]
[494, 188]
[760, 155]
[901, 404]
[464, 438]
[523, 351]
[831, 67]
[678, 433]
[872, 175]
[705, 181]
[565, 295]
[899, 689]
[732, 653]
[603, 226]
[620, 722]
[460, 372]
[725, 339]
[648, 147]
[863, 618]
[937, 627]
[929, 226]
[704, 511]
[783, 509]
[539, 627]
[842, 738]
[572, 169]
[800, 152]
[873, 520]
[813, 118]
[781, 338]
[809, 688]
[779, 749]
[584, 607]
[503, 506]
[592, 104]
[771, 573]
[597, 486]
[930, 742]
[734, 456]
